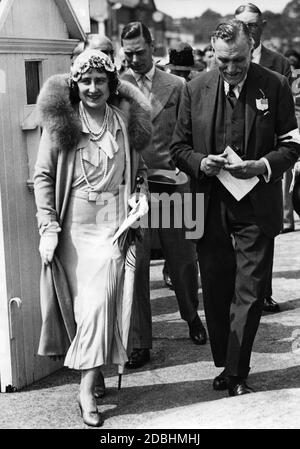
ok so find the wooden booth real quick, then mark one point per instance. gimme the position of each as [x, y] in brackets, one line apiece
[36, 40]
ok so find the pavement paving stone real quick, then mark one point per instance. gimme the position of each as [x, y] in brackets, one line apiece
[175, 389]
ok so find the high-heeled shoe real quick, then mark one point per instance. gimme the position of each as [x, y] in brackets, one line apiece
[90, 417]
[99, 391]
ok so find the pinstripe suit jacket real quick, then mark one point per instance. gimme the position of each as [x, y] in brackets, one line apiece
[165, 99]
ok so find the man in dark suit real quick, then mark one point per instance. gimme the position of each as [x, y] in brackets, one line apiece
[252, 16]
[164, 91]
[250, 109]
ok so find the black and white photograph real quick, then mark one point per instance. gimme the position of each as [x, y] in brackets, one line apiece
[149, 219]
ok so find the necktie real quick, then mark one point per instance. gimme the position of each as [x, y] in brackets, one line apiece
[144, 85]
[231, 96]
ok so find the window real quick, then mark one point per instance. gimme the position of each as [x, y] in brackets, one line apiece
[94, 26]
[32, 73]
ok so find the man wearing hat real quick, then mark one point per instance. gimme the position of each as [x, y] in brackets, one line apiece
[164, 91]
[181, 61]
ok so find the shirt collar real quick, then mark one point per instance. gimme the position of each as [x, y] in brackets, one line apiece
[237, 89]
[149, 75]
[256, 54]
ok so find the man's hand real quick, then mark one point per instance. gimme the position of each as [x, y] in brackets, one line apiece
[212, 164]
[246, 169]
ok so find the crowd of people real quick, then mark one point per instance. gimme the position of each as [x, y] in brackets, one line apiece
[113, 138]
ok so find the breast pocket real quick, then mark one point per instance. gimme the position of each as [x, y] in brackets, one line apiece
[170, 104]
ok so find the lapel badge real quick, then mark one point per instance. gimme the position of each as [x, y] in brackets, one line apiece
[262, 104]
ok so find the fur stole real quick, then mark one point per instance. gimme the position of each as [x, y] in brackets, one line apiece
[57, 114]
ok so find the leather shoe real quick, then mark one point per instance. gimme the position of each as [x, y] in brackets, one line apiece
[270, 305]
[167, 279]
[138, 358]
[221, 382]
[91, 418]
[239, 388]
[197, 331]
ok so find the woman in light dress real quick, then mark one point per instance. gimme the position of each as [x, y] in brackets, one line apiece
[94, 127]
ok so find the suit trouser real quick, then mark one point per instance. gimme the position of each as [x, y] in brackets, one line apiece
[181, 257]
[233, 278]
[288, 210]
[288, 214]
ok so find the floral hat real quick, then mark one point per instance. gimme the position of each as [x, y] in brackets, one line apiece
[91, 59]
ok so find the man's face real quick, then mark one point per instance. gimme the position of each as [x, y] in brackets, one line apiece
[255, 23]
[138, 54]
[294, 62]
[233, 58]
[208, 58]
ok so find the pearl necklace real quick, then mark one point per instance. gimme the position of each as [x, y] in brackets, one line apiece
[94, 136]
[100, 183]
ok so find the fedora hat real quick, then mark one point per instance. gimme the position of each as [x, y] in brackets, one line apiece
[181, 58]
[168, 177]
[160, 180]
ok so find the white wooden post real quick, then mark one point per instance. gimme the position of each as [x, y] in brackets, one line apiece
[5, 348]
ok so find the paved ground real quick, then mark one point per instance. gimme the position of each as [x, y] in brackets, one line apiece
[174, 390]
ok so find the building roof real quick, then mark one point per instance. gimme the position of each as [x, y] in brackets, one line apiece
[64, 6]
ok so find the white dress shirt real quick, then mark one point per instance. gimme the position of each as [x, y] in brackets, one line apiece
[144, 81]
[256, 54]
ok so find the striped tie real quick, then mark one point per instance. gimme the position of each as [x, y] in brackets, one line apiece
[231, 96]
[144, 85]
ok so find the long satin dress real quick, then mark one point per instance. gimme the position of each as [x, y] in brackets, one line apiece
[94, 266]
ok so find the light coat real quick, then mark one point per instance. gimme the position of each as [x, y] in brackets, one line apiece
[52, 184]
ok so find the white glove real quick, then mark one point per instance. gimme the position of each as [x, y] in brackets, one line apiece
[296, 173]
[297, 168]
[139, 209]
[48, 243]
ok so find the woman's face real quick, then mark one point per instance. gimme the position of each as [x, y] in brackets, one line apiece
[93, 89]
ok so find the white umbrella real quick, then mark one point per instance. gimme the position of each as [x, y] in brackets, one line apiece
[126, 306]
[139, 209]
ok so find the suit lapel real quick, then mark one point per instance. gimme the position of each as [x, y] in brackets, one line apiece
[161, 90]
[253, 92]
[266, 58]
[210, 91]
[131, 79]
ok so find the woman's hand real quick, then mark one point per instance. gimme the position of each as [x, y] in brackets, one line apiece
[297, 168]
[48, 244]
